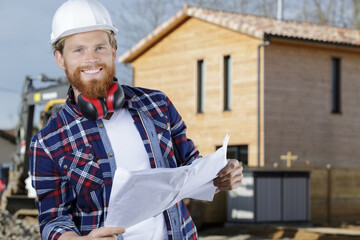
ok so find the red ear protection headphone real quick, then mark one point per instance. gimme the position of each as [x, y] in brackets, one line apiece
[98, 108]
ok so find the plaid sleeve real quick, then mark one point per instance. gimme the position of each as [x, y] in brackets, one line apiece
[184, 147]
[54, 196]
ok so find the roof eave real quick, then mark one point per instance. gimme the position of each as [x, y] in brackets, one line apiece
[272, 36]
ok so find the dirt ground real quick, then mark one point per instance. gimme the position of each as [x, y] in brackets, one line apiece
[284, 232]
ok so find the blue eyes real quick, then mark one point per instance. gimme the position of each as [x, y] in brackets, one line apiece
[80, 50]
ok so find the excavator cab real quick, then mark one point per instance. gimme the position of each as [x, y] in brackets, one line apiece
[50, 109]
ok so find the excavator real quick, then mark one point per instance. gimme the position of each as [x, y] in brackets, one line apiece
[52, 94]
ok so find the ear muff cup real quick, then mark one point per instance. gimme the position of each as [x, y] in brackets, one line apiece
[92, 109]
[115, 98]
[98, 108]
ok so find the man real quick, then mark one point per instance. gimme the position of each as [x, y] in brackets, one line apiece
[74, 157]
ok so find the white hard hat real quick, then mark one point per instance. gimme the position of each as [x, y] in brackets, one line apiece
[77, 16]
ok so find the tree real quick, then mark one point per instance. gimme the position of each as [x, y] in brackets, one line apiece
[356, 10]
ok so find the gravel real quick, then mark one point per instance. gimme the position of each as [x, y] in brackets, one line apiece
[12, 228]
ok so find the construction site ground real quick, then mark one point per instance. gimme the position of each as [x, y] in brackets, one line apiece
[285, 232]
[26, 228]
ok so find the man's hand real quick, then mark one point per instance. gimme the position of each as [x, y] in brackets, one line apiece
[108, 233]
[103, 233]
[229, 177]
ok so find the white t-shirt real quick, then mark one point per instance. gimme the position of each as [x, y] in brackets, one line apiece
[130, 153]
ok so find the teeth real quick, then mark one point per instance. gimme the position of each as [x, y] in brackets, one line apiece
[92, 71]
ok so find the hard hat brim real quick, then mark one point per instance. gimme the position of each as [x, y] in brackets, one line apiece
[81, 30]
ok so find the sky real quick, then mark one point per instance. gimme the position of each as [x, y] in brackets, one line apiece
[25, 28]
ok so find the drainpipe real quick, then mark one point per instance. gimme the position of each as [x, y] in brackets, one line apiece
[266, 43]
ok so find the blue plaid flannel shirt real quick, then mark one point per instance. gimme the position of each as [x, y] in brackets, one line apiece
[71, 168]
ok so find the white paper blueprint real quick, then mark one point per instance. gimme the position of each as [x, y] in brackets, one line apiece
[138, 195]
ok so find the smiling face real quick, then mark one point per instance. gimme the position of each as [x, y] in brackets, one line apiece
[89, 62]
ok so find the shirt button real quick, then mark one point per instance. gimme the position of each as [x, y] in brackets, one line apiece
[101, 125]
[65, 166]
[111, 154]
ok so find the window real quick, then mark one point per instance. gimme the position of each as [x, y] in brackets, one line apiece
[239, 152]
[335, 86]
[200, 86]
[227, 83]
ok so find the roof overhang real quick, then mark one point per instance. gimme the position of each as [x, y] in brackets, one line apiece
[270, 36]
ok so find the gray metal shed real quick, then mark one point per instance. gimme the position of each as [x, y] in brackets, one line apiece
[271, 196]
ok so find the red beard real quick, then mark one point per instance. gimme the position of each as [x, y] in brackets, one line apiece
[95, 88]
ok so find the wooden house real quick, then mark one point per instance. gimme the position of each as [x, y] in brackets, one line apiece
[275, 87]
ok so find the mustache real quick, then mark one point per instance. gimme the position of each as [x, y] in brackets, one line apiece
[89, 67]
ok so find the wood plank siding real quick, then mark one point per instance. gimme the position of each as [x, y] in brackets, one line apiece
[298, 111]
[171, 66]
